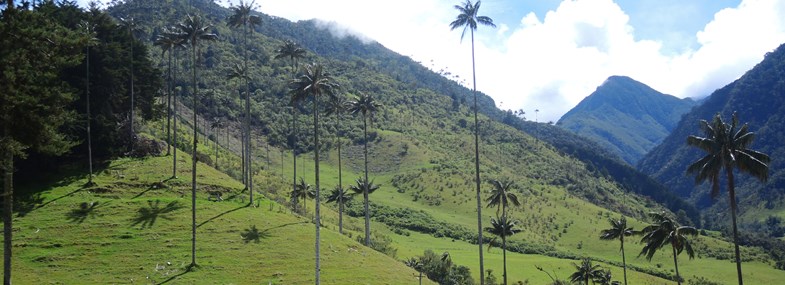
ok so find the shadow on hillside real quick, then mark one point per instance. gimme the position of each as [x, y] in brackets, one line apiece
[27, 194]
[175, 276]
[85, 210]
[154, 186]
[253, 234]
[146, 216]
[221, 214]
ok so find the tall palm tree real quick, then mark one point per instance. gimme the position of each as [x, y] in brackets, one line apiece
[364, 187]
[618, 230]
[314, 82]
[168, 41]
[503, 227]
[585, 272]
[665, 231]
[194, 29]
[132, 27]
[241, 16]
[415, 264]
[469, 20]
[502, 196]
[302, 191]
[367, 106]
[604, 277]
[337, 105]
[727, 148]
[340, 196]
[89, 32]
[239, 71]
[293, 51]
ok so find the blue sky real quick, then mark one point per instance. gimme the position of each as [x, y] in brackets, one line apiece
[550, 54]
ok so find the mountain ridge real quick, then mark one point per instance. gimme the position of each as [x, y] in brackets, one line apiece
[626, 116]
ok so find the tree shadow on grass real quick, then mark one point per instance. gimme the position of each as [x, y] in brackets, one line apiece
[154, 186]
[146, 216]
[175, 276]
[253, 234]
[85, 210]
[221, 214]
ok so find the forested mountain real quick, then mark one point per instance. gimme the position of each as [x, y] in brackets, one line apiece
[626, 116]
[758, 99]
[420, 150]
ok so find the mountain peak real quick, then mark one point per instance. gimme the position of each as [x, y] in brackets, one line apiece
[626, 116]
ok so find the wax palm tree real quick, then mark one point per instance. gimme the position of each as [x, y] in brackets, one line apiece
[302, 191]
[194, 30]
[585, 272]
[503, 227]
[241, 17]
[727, 149]
[415, 264]
[362, 186]
[291, 50]
[240, 71]
[618, 230]
[132, 27]
[88, 30]
[339, 196]
[604, 277]
[168, 41]
[665, 231]
[315, 82]
[469, 20]
[502, 196]
[367, 106]
[337, 105]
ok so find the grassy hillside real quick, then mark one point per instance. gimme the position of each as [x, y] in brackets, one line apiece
[134, 227]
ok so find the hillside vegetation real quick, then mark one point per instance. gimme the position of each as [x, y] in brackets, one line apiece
[626, 116]
[420, 152]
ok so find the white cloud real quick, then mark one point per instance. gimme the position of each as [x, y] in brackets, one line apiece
[550, 62]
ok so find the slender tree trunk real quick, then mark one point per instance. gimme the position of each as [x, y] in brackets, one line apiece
[242, 151]
[732, 197]
[169, 106]
[89, 117]
[294, 151]
[366, 184]
[477, 166]
[174, 121]
[340, 175]
[8, 202]
[249, 172]
[623, 259]
[133, 135]
[676, 264]
[316, 174]
[504, 254]
[193, 167]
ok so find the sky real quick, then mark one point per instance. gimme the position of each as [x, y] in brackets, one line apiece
[548, 55]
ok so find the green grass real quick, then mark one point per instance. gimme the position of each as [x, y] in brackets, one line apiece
[129, 232]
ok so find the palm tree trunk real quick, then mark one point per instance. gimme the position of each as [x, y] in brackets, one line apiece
[242, 150]
[477, 166]
[676, 264]
[174, 121]
[193, 167]
[340, 176]
[367, 184]
[89, 137]
[169, 106]
[732, 197]
[247, 118]
[623, 259]
[294, 148]
[8, 200]
[504, 255]
[133, 136]
[316, 172]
